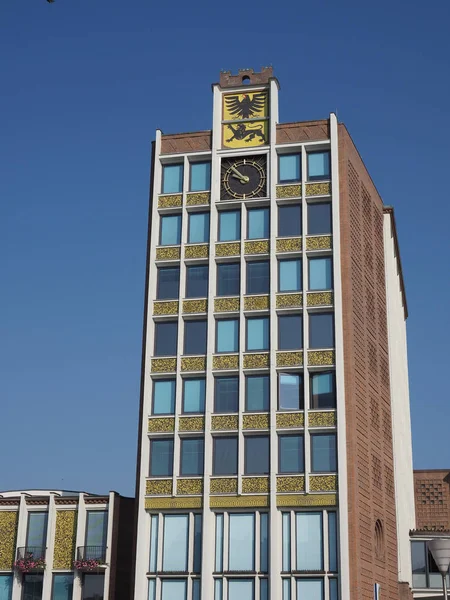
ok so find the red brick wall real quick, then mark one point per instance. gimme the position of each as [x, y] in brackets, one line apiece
[432, 499]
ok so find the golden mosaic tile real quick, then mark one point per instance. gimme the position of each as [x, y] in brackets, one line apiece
[224, 422]
[193, 363]
[291, 484]
[168, 253]
[226, 304]
[322, 419]
[321, 357]
[255, 485]
[318, 189]
[197, 198]
[239, 501]
[8, 532]
[195, 306]
[289, 359]
[323, 483]
[158, 487]
[168, 503]
[224, 485]
[65, 539]
[289, 244]
[165, 308]
[225, 361]
[257, 247]
[170, 201]
[161, 424]
[320, 298]
[256, 361]
[256, 302]
[191, 424]
[228, 249]
[196, 251]
[289, 191]
[290, 419]
[258, 421]
[307, 500]
[189, 487]
[319, 242]
[289, 300]
[164, 365]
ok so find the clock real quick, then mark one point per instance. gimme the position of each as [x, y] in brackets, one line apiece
[244, 177]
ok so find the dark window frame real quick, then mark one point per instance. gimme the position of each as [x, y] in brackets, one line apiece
[228, 437]
[248, 265]
[190, 439]
[187, 322]
[188, 270]
[286, 435]
[231, 412]
[328, 203]
[315, 436]
[285, 316]
[311, 375]
[221, 264]
[281, 206]
[158, 282]
[162, 439]
[159, 323]
[252, 437]
[311, 320]
[285, 181]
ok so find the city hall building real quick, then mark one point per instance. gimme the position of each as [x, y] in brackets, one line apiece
[275, 453]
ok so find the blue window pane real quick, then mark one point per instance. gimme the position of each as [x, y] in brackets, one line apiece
[200, 176]
[323, 451]
[332, 541]
[227, 335]
[240, 589]
[264, 589]
[198, 228]
[319, 218]
[229, 225]
[225, 455]
[62, 587]
[228, 279]
[197, 543]
[321, 330]
[289, 220]
[197, 281]
[219, 544]
[96, 529]
[258, 277]
[320, 274]
[151, 589]
[168, 283]
[194, 392]
[6, 582]
[170, 230]
[258, 334]
[290, 332]
[291, 458]
[195, 333]
[37, 530]
[258, 223]
[257, 392]
[161, 458]
[175, 542]
[318, 165]
[264, 543]
[286, 549]
[164, 397]
[166, 337]
[309, 541]
[334, 592]
[218, 589]
[192, 456]
[241, 551]
[309, 589]
[286, 588]
[32, 587]
[290, 393]
[290, 275]
[226, 397]
[173, 589]
[257, 455]
[323, 390]
[153, 543]
[196, 589]
[172, 179]
[289, 168]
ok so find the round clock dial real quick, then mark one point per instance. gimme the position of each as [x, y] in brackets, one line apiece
[244, 177]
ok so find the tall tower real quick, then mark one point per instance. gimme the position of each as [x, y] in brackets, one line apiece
[275, 448]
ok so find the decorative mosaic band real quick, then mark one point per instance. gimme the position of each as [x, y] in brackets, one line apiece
[189, 487]
[256, 302]
[161, 425]
[198, 199]
[166, 308]
[320, 298]
[307, 500]
[289, 359]
[256, 361]
[159, 487]
[257, 247]
[65, 539]
[290, 419]
[319, 242]
[191, 424]
[259, 421]
[289, 245]
[231, 249]
[239, 501]
[289, 300]
[8, 532]
[226, 304]
[321, 357]
[318, 189]
[226, 361]
[289, 191]
[224, 485]
[193, 363]
[322, 419]
[291, 484]
[196, 251]
[168, 253]
[164, 365]
[255, 485]
[195, 306]
[180, 502]
[323, 483]
[224, 422]
[170, 201]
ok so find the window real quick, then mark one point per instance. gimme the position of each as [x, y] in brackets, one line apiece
[323, 453]
[320, 273]
[170, 234]
[286, 544]
[240, 529]
[229, 225]
[312, 589]
[93, 586]
[163, 397]
[241, 548]
[197, 281]
[154, 527]
[195, 337]
[424, 569]
[96, 532]
[241, 589]
[192, 456]
[257, 392]
[172, 179]
[32, 587]
[321, 330]
[161, 458]
[332, 542]
[194, 394]
[258, 277]
[225, 451]
[291, 454]
[309, 542]
[168, 283]
[173, 589]
[264, 542]
[290, 391]
[6, 582]
[257, 455]
[323, 390]
[219, 544]
[319, 218]
[200, 176]
[166, 337]
[175, 543]
[290, 332]
[258, 222]
[318, 165]
[226, 396]
[258, 333]
[37, 531]
[228, 279]
[227, 335]
[198, 524]
[198, 228]
[290, 275]
[289, 220]
[289, 168]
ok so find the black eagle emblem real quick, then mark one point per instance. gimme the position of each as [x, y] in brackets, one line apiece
[245, 108]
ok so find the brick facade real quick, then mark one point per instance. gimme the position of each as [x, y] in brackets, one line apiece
[432, 499]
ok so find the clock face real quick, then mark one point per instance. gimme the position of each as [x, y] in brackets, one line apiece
[244, 177]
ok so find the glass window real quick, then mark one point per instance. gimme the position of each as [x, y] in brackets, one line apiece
[163, 396]
[323, 390]
[93, 586]
[192, 456]
[334, 594]
[241, 549]
[197, 281]
[32, 587]
[172, 179]
[258, 333]
[286, 595]
[198, 228]
[37, 530]
[166, 337]
[200, 176]
[218, 589]
[290, 392]
[257, 392]
[258, 277]
[196, 589]
[290, 275]
[264, 589]
[197, 544]
[170, 230]
[195, 337]
[332, 542]
[151, 589]
[227, 335]
[175, 543]
[225, 455]
[168, 283]
[153, 543]
[173, 589]
[291, 458]
[226, 397]
[320, 273]
[321, 330]
[264, 542]
[219, 543]
[161, 458]
[228, 279]
[289, 220]
[194, 394]
[309, 541]
[240, 589]
[323, 453]
[289, 168]
[229, 225]
[310, 589]
[6, 582]
[258, 222]
[62, 587]
[290, 332]
[319, 218]
[419, 564]
[318, 165]
[257, 455]
[96, 531]
[286, 549]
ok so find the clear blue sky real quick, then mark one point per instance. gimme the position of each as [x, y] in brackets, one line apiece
[84, 86]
